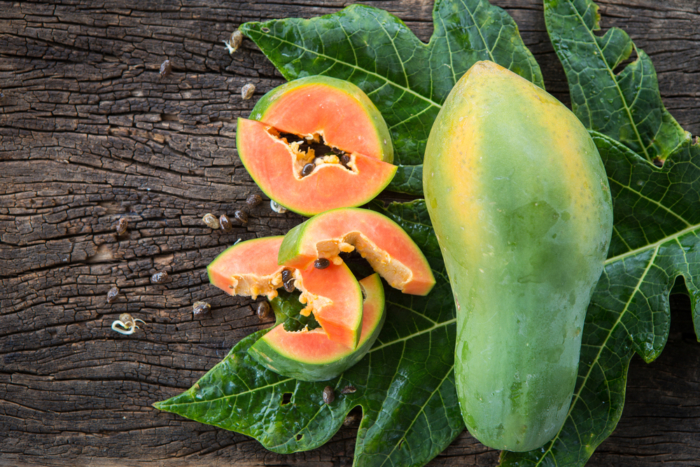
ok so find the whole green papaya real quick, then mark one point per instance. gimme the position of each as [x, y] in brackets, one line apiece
[520, 202]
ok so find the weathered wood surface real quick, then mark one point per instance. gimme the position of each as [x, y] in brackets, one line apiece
[89, 133]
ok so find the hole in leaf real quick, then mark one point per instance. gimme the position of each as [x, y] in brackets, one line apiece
[286, 398]
[299, 437]
[353, 418]
[623, 64]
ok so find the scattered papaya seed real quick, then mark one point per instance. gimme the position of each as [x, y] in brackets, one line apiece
[235, 41]
[241, 216]
[126, 324]
[159, 277]
[211, 221]
[253, 200]
[263, 310]
[321, 263]
[345, 160]
[247, 91]
[122, 225]
[277, 208]
[225, 223]
[328, 395]
[165, 69]
[112, 294]
[200, 308]
[348, 390]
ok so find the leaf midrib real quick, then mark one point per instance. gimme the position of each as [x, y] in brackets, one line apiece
[364, 70]
[652, 245]
[402, 339]
[612, 75]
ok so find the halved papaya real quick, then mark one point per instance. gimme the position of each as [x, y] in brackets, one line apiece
[315, 144]
[311, 355]
[333, 294]
[382, 242]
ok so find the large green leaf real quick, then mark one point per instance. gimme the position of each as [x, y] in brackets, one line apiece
[625, 106]
[407, 79]
[656, 232]
[657, 238]
[405, 385]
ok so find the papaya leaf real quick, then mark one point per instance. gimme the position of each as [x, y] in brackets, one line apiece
[405, 384]
[287, 309]
[656, 239]
[657, 224]
[407, 79]
[625, 106]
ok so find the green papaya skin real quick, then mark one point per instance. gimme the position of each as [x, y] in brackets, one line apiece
[520, 202]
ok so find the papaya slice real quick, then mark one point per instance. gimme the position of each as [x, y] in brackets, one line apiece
[315, 144]
[333, 294]
[382, 242]
[311, 355]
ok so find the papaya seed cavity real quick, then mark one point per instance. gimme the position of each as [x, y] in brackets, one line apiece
[391, 269]
[311, 153]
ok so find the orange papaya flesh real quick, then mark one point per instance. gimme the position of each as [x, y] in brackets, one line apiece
[383, 243]
[333, 294]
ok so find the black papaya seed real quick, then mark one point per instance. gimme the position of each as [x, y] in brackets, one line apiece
[308, 168]
[286, 275]
[263, 310]
[200, 308]
[253, 200]
[241, 216]
[289, 286]
[321, 263]
[112, 294]
[122, 225]
[225, 223]
[159, 277]
[328, 395]
[165, 69]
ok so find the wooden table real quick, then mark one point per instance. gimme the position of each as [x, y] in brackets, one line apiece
[89, 132]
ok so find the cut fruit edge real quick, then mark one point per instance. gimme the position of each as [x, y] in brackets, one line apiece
[378, 239]
[333, 294]
[310, 355]
[275, 165]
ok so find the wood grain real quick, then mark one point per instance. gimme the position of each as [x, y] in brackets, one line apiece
[90, 132]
